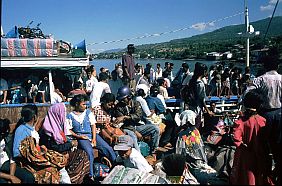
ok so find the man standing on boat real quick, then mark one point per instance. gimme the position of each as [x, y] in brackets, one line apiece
[270, 86]
[128, 65]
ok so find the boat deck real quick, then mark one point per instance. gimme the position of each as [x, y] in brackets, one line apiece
[43, 61]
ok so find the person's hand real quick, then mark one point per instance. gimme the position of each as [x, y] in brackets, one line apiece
[138, 135]
[211, 113]
[83, 137]
[119, 120]
[43, 148]
[94, 143]
[74, 143]
[14, 179]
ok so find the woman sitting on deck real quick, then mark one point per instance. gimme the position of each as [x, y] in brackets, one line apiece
[53, 136]
[83, 127]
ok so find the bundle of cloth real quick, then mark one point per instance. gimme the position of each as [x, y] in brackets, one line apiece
[16, 47]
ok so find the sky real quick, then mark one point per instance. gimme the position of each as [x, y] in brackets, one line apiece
[113, 24]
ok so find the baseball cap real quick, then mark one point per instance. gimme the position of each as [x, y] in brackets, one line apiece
[124, 142]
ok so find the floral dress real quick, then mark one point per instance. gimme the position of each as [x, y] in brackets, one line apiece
[189, 143]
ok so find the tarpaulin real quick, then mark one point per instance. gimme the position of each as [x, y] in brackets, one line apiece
[27, 47]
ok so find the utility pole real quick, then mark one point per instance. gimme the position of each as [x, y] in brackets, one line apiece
[247, 34]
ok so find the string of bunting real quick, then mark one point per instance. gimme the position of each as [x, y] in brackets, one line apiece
[164, 33]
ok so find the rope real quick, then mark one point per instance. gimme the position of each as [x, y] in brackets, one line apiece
[270, 19]
[164, 33]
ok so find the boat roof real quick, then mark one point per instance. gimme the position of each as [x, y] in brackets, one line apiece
[41, 62]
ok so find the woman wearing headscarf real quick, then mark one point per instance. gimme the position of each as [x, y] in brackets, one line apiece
[47, 166]
[53, 135]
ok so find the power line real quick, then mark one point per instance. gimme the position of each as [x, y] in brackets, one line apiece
[164, 33]
[271, 19]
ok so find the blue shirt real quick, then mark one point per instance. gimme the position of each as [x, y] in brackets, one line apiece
[21, 133]
[83, 128]
[154, 103]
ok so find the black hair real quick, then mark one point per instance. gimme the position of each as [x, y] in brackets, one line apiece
[160, 81]
[252, 102]
[252, 99]
[200, 69]
[91, 69]
[270, 62]
[130, 47]
[103, 76]
[28, 112]
[154, 91]
[185, 65]
[4, 128]
[165, 74]
[107, 98]
[77, 85]
[78, 99]
[174, 164]
[114, 75]
[141, 92]
[146, 71]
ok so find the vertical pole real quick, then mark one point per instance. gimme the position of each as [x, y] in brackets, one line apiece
[247, 35]
[2, 32]
[51, 86]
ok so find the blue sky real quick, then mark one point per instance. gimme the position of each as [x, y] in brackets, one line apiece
[98, 21]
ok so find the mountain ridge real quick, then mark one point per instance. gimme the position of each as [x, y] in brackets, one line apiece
[217, 40]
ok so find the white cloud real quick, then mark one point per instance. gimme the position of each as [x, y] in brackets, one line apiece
[272, 1]
[202, 26]
[211, 24]
[199, 26]
[266, 8]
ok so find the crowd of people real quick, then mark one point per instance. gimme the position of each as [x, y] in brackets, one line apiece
[115, 112]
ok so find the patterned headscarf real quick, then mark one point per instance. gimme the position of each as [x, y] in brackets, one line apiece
[54, 122]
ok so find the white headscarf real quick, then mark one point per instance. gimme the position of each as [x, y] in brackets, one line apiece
[187, 116]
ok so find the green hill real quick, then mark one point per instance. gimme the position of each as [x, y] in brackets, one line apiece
[219, 40]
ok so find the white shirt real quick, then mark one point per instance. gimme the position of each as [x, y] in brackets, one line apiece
[144, 105]
[90, 83]
[3, 154]
[137, 161]
[56, 98]
[167, 82]
[159, 74]
[98, 90]
[161, 97]
[79, 118]
[163, 92]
